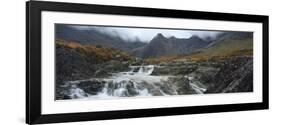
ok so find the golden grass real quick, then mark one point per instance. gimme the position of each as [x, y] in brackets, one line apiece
[201, 57]
[104, 54]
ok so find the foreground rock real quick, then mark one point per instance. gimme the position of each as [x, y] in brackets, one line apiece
[218, 76]
[235, 75]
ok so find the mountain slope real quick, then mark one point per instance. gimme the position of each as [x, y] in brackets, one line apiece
[232, 43]
[76, 61]
[227, 45]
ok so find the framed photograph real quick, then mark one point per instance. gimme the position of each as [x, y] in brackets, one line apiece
[95, 62]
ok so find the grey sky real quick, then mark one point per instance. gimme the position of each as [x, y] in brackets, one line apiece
[145, 34]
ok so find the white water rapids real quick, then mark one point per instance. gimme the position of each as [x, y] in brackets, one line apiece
[136, 82]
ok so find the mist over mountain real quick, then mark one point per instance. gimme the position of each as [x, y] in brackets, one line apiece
[228, 36]
[163, 42]
[145, 34]
[94, 37]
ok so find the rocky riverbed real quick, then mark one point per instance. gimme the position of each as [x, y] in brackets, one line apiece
[180, 78]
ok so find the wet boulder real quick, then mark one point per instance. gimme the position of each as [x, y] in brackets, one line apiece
[92, 87]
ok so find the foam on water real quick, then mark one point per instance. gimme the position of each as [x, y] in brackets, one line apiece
[136, 82]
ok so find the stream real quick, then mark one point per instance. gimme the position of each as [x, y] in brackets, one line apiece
[138, 82]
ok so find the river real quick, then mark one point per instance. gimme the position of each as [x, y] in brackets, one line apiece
[138, 82]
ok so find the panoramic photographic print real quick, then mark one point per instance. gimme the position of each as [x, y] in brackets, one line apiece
[110, 62]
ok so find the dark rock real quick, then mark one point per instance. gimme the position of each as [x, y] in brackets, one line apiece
[235, 75]
[92, 87]
[181, 85]
[175, 69]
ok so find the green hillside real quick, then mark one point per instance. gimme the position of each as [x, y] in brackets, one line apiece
[228, 47]
[221, 50]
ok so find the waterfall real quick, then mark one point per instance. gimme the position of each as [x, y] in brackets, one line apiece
[76, 92]
[144, 70]
[125, 85]
[124, 88]
[136, 82]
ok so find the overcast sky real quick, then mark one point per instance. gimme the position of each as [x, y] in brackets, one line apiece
[145, 34]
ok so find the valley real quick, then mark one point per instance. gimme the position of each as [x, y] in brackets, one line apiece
[164, 66]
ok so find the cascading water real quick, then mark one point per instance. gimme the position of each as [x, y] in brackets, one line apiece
[123, 88]
[136, 82]
[144, 70]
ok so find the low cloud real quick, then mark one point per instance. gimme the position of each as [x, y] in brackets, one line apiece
[146, 34]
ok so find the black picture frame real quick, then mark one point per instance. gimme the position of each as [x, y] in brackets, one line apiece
[33, 61]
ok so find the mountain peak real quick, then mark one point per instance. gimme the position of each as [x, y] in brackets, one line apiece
[159, 35]
[194, 37]
[159, 39]
[171, 46]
